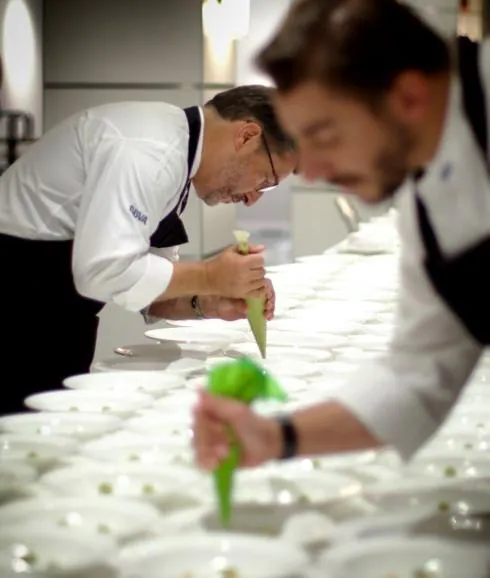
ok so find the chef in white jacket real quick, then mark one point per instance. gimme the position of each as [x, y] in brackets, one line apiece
[375, 99]
[85, 210]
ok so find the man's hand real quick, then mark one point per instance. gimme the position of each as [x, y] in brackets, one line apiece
[237, 276]
[259, 437]
[234, 309]
[270, 300]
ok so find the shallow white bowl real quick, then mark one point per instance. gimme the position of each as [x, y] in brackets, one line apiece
[36, 451]
[106, 402]
[55, 553]
[97, 516]
[170, 488]
[403, 557]
[154, 383]
[81, 426]
[205, 555]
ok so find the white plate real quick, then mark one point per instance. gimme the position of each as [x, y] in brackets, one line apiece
[98, 516]
[81, 426]
[171, 488]
[154, 383]
[36, 451]
[404, 558]
[157, 423]
[206, 555]
[306, 340]
[54, 553]
[220, 336]
[106, 402]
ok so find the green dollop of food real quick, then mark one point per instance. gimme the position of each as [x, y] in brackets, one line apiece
[74, 408]
[32, 455]
[444, 507]
[450, 472]
[148, 489]
[103, 529]
[105, 488]
[134, 458]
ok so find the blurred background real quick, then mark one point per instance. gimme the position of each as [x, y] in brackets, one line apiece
[60, 56]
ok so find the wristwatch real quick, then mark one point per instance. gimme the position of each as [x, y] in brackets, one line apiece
[289, 437]
[196, 307]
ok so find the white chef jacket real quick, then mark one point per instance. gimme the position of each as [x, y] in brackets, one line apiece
[404, 396]
[105, 177]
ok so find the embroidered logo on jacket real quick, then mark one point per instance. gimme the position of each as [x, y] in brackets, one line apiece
[137, 214]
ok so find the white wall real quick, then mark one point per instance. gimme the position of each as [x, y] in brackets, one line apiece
[273, 210]
[99, 51]
[21, 50]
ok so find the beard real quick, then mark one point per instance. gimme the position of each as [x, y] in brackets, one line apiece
[391, 163]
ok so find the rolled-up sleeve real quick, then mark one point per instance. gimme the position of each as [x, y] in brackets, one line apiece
[403, 397]
[127, 188]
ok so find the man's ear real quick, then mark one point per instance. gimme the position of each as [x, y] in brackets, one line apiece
[408, 99]
[247, 135]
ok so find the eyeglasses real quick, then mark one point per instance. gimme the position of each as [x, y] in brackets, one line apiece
[271, 162]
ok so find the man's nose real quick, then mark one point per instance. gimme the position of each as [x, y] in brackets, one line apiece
[252, 197]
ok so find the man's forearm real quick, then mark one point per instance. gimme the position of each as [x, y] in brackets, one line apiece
[187, 279]
[328, 428]
[181, 308]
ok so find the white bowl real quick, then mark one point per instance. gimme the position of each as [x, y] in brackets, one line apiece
[97, 516]
[404, 493]
[15, 478]
[274, 485]
[404, 557]
[36, 451]
[81, 426]
[278, 354]
[220, 337]
[182, 366]
[178, 402]
[206, 555]
[157, 424]
[450, 465]
[55, 553]
[170, 488]
[107, 402]
[154, 383]
[151, 451]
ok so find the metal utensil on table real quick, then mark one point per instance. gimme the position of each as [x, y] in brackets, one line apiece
[124, 352]
[468, 527]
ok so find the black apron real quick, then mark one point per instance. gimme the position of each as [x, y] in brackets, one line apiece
[462, 281]
[50, 331]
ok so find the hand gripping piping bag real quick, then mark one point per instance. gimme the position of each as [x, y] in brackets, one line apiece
[242, 380]
[255, 307]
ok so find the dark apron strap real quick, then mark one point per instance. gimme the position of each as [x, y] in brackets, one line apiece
[171, 231]
[474, 104]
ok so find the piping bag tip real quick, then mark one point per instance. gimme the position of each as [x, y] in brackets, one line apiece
[245, 381]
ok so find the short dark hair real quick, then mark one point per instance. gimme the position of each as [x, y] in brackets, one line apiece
[358, 47]
[253, 102]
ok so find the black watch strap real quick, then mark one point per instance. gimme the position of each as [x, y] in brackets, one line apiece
[196, 307]
[289, 437]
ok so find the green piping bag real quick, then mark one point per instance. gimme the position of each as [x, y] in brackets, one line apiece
[255, 307]
[245, 381]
